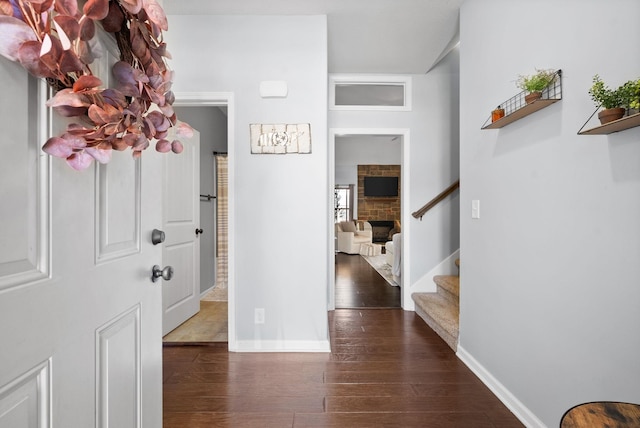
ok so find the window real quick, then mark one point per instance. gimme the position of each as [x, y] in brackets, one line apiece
[370, 93]
[343, 203]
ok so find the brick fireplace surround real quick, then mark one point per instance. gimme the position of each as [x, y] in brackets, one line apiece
[379, 212]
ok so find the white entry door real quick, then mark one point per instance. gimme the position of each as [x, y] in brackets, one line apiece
[181, 224]
[80, 318]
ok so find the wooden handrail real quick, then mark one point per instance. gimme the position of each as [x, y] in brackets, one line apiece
[433, 202]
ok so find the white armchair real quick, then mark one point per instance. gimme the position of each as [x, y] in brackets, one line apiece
[349, 237]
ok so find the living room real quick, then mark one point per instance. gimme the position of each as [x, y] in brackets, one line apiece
[367, 196]
[370, 167]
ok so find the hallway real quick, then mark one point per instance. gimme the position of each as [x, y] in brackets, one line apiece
[386, 368]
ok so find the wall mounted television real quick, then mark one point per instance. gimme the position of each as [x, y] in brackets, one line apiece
[377, 187]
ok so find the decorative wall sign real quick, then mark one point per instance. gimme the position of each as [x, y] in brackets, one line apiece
[280, 138]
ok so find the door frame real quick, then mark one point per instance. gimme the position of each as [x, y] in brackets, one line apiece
[222, 99]
[405, 292]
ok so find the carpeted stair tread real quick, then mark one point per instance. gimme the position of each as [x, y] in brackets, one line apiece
[448, 287]
[440, 314]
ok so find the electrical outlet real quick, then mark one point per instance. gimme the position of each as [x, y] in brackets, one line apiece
[259, 316]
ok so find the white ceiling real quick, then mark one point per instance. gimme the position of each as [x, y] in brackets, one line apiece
[365, 36]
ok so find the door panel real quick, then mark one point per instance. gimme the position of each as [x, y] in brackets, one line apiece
[24, 238]
[181, 255]
[118, 374]
[118, 209]
[24, 402]
[83, 330]
[181, 249]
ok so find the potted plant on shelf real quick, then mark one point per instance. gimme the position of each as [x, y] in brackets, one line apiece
[612, 101]
[630, 95]
[534, 84]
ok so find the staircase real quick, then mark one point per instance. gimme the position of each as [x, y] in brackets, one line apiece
[440, 310]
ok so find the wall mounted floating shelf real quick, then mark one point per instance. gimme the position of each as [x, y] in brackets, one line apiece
[520, 113]
[516, 107]
[626, 122]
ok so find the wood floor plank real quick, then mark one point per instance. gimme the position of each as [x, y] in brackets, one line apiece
[372, 404]
[181, 353]
[351, 357]
[463, 390]
[236, 389]
[231, 420]
[210, 355]
[392, 419]
[384, 366]
[244, 404]
[247, 376]
[399, 376]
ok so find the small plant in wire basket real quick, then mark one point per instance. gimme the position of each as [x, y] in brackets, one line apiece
[536, 82]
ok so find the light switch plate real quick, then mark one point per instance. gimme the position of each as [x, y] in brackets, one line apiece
[259, 316]
[475, 208]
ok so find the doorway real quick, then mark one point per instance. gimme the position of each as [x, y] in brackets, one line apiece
[211, 324]
[359, 280]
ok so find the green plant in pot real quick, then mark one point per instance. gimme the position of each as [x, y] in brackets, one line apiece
[630, 94]
[534, 84]
[635, 100]
[612, 101]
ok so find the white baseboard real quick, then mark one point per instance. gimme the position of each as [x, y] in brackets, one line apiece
[206, 291]
[446, 267]
[499, 390]
[282, 346]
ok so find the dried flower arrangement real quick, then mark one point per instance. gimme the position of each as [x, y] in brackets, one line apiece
[55, 40]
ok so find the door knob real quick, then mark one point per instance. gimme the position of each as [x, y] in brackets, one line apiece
[166, 273]
[157, 237]
[199, 232]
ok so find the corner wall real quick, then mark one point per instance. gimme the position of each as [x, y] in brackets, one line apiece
[550, 279]
[279, 230]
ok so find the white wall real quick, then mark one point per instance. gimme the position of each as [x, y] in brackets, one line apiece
[279, 228]
[368, 150]
[434, 167]
[550, 276]
[211, 122]
[347, 174]
[434, 130]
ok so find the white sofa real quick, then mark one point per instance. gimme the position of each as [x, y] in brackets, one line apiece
[350, 235]
[392, 252]
[388, 252]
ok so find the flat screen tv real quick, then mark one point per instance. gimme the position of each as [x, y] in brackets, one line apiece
[380, 186]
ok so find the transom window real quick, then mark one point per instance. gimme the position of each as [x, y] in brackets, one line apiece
[370, 93]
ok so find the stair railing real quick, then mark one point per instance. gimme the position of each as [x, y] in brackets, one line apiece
[435, 201]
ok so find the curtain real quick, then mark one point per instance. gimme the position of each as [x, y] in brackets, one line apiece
[222, 224]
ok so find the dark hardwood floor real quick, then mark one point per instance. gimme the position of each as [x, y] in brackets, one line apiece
[358, 285]
[386, 368]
